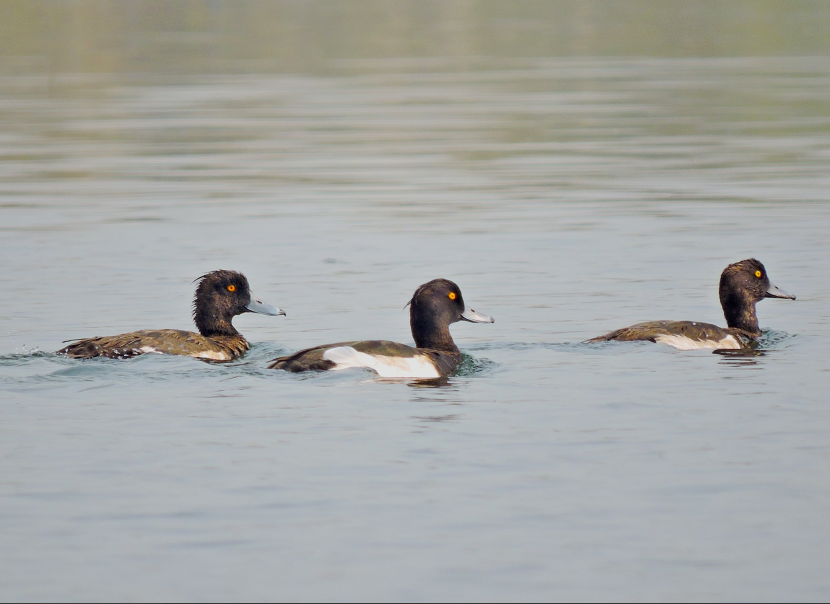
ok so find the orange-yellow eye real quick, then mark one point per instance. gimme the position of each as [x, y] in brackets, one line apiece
[231, 288]
[758, 274]
[453, 296]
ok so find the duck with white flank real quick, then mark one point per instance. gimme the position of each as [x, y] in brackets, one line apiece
[220, 296]
[433, 308]
[742, 286]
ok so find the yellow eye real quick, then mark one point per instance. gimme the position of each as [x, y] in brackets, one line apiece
[452, 296]
[231, 288]
[758, 274]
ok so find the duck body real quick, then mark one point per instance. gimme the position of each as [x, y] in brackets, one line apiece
[685, 335]
[433, 308]
[742, 285]
[159, 341]
[386, 358]
[220, 296]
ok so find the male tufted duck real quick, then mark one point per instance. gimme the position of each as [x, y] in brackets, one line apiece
[433, 308]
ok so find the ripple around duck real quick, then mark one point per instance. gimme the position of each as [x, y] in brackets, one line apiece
[771, 339]
[770, 342]
[43, 368]
[470, 366]
[40, 369]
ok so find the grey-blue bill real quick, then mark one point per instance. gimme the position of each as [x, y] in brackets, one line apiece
[258, 306]
[475, 317]
[774, 292]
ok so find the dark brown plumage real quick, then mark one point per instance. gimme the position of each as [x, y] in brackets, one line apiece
[742, 285]
[220, 296]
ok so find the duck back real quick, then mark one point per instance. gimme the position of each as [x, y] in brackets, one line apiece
[685, 335]
[159, 341]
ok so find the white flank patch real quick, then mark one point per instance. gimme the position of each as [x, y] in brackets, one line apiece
[149, 350]
[684, 343]
[419, 366]
[212, 356]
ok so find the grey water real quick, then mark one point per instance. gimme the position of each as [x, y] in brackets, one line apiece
[570, 184]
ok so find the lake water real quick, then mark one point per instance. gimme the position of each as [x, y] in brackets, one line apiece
[568, 191]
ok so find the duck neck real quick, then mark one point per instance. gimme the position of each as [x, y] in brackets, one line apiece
[740, 313]
[428, 336]
[212, 325]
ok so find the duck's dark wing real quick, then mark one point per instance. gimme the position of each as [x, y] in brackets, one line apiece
[159, 341]
[686, 335]
[388, 359]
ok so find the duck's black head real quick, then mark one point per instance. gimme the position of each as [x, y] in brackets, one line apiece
[433, 308]
[220, 296]
[742, 285]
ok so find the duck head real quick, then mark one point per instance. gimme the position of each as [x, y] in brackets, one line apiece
[222, 295]
[742, 285]
[433, 308]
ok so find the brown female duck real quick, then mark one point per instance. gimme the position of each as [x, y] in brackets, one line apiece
[742, 285]
[220, 296]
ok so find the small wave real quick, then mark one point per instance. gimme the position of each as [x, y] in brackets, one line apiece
[34, 368]
[23, 357]
[471, 365]
[771, 339]
[770, 342]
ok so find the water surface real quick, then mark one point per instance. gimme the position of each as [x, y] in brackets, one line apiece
[566, 195]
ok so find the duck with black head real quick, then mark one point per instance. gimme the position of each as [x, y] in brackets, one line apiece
[433, 308]
[220, 296]
[742, 285]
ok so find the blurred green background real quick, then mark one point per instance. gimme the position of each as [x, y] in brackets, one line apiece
[207, 36]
